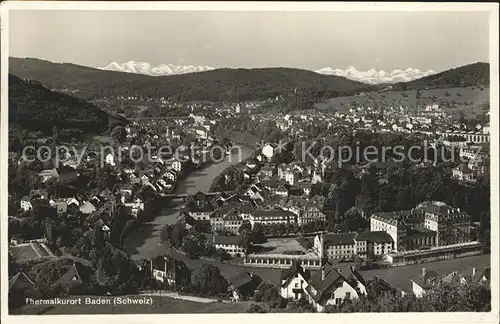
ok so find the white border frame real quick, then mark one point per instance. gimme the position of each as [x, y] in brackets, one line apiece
[492, 8]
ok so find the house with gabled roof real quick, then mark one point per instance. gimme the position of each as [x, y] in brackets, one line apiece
[200, 212]
[87, 208]
[26, 203]
[305, 186]
[21, 283]
[294, 281]
[330, 288]
[463, 173]
[77, 274]
[427, 280]
[475, 275]
[243, 285]
[166, 268]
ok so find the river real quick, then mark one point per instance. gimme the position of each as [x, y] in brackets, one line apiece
[145, 241]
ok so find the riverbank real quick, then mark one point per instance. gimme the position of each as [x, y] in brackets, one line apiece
[143, 240]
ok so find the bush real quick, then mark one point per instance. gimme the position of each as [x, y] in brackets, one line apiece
[255, 308]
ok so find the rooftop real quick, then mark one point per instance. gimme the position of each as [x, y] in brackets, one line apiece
[339, 239]
[227, 240]
[377, 237]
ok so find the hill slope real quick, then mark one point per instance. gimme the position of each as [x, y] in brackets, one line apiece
[477, 74]
[35, 108]
[220, 84]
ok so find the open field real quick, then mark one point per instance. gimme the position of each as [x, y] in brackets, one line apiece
[160, 305]
[281, 245]
[28, 251]
[471, 100]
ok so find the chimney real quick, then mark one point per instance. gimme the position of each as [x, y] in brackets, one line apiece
[423, 272]
[323, 265]
[321, 247]
[473, 271]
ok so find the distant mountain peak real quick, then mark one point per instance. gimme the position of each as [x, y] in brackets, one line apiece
[373, 76]
[154, 70]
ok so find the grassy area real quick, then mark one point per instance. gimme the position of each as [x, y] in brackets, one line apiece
[27, 252]
[280, 245]
[160, 305]
[470, 100]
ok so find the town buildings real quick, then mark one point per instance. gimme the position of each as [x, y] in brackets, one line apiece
[230, 244]
[429, 224]
[169, 270]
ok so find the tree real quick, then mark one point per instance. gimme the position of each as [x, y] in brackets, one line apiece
[354, 221]
[116, 272]
[119, 134]
[445, 297]
[209, 281]
[258, 236]
[269, 294]
[368, 196]
[246, 239]
[193, 246]
[245, 226]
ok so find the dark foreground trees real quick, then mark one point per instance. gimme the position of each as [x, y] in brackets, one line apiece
[444, 298]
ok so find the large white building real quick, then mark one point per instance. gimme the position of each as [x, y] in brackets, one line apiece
[431, 223]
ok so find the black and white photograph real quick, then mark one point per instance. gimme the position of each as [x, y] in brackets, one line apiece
[225, 158]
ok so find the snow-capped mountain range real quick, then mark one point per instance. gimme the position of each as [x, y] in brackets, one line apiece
[154, 70]
[375, 77]
[371, 76]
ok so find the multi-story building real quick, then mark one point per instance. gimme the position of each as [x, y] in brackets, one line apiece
[272, 216]
[393, 223]
[373, 244]
[471, 136]
[336, 246]
[310, 213]
[231, 244]
[232, 222]
[217, 222]
[429, 224]
[452, 225]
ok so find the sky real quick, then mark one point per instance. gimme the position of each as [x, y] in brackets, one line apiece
[307, 40]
